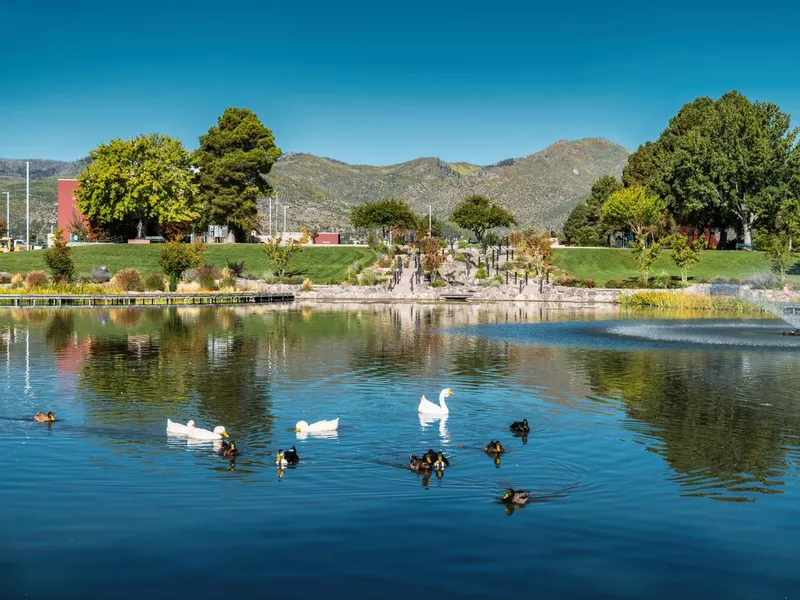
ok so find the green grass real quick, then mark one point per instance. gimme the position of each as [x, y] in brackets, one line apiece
[323, 264]
[602, 264]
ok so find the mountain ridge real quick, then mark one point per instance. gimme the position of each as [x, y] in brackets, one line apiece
[540, 188]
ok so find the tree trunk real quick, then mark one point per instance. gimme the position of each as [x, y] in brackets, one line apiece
[684, 275]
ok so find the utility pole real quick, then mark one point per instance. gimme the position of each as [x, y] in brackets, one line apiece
[8, 215]
[27, 205]
[269, 227]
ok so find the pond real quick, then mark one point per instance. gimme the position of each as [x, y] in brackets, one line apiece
[662, 459]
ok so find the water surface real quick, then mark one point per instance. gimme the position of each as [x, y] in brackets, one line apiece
[660, 464]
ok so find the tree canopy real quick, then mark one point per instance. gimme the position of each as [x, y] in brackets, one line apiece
[635, 210]
[384, 215]
[724, 163]
[584, 226]
[233, 159]
[146, 178]
[478, 214]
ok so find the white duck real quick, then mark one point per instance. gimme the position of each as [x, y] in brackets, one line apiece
[178, 428]
[318, 427]
[204, 434]
[429, 408]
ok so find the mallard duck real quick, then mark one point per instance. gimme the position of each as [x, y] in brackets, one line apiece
[318, 427]
[178, 428]
[437, 459]
[420, 465]
[41, 417]
[518, 497]
[204, 434]
[228, 450]
[289, 457]
[520, 426]
[429, 408]
[494, 448]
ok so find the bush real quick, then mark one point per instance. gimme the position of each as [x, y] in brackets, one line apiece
[17, 280]
[235, 268]
[58, 258]
[480, 273]
[368, 277]
[5, 277]
[227, 283]
[437, 283]
[385, 262]
[177, 257]
[762, 281]
[207, 278]
[35, 279]
[154, 282]
[307, 285]
[127, 280]
[99, 275]
[462, 244]
[574, 282]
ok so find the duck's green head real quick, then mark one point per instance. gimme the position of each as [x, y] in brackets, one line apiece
[508, 495]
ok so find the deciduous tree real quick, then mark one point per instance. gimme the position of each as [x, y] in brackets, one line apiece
[478, 214]
[635, 211]
[384, 215]
[144, 179]
[685, 253]
[280, 254]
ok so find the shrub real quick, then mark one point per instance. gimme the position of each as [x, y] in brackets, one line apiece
[227, 283]
[437, 283]
[35, 279]
[462, 244]
[685, 301]
[307, 285]
[5, 277]
[368, 277]
[17, 280]
[568, 281]
[99, 275]
[176, 257]
[58, 258]
[613, 283]
[207, 278]
[127, 280]
[762, 281]
[385, 262]
[236, 268]
[480, 273]
[154, 282]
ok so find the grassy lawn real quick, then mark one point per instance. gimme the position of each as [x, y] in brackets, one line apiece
[602, 264]
[322, 264]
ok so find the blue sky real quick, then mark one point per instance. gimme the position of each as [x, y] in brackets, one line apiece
[380, 83]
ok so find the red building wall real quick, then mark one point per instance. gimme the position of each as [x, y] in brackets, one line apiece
[66, 204]
[327, 238]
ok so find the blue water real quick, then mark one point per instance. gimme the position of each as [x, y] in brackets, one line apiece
[657, 468]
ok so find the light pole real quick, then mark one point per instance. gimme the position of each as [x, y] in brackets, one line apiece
[430, 218]
[27, 205]
[8, 215]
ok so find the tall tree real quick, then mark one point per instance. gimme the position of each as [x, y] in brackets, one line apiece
[478, 214]
[384, 215]
[145, 179]
[233, 159]
[635, 210]
[584, 226]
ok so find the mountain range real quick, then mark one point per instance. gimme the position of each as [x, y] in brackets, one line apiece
[540, 189]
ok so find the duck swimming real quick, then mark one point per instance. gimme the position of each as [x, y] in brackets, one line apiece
[518, 497]
[429, 408]
[438, 459]
[289, 457]
[204, 434]
[494, 448]
[318, 427]
[41, 417]
[520, 426]
[420, 465]
[178, 428]
[228, 450]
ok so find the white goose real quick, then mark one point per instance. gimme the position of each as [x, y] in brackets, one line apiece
[204, 434]
[178, 428]
[318, 427]
[429, 408]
